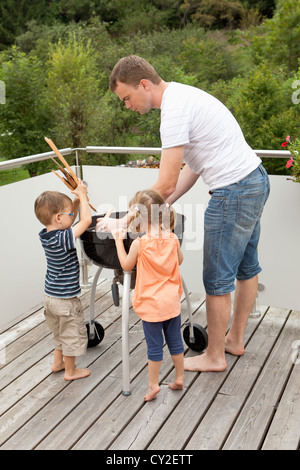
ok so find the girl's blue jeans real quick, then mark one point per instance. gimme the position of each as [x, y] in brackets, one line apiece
[155, 333]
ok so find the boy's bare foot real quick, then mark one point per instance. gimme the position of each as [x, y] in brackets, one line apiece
[77, 374]
[203, 363]
[56, 367]
[152, 392]
[177, 384]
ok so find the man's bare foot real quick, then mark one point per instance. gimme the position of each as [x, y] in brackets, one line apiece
[77, 374]
[58, 367]
[152, 392]
[203, 363]
[233, 348]
[177, 384]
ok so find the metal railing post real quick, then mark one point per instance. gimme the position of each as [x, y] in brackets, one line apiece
[83, 261]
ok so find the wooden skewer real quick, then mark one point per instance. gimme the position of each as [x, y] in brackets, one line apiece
[63, 180]
[66, 182]
[108, 213]
[66, 174]
[92, 207]
[62, 159]
[70, 180]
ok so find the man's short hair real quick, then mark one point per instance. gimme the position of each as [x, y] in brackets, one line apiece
[131, 70]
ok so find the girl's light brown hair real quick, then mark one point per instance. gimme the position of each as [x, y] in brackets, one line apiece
[50, 203]
[148, 206]
[131, 70]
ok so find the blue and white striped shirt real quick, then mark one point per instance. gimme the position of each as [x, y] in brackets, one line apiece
[62, 276]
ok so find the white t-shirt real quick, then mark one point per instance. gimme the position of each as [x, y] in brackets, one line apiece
[215, 146]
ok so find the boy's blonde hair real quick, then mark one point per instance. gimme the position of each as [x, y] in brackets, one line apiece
[149, 206]
[50, 203]
[131, 70]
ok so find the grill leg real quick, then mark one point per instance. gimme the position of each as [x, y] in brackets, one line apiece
[125, 333]
[92, 304]
[189, 307]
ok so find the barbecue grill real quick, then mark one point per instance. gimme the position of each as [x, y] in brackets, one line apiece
[100, 248]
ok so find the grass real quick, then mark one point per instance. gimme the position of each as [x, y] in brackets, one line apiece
[13, 175]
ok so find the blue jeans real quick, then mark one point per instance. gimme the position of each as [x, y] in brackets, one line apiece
[231, 232]
[154, 337]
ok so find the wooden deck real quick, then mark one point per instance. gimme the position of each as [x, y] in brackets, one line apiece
[254, 404]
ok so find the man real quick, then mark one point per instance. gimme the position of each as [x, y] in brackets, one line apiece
[200, 130]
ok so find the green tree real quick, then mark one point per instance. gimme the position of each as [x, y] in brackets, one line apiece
[14, 15]
[262, 104]
[73, 92]
[23, 118]
[278, 39]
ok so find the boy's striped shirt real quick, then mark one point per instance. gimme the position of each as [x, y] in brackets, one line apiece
[62, 275]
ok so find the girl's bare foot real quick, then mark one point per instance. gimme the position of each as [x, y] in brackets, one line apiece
[152, 392]
[77, 374]
[56, 367]
[177, 384]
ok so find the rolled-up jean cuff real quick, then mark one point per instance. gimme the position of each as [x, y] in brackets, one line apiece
[232, 232]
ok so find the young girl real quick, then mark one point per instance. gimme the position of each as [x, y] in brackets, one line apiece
[158, 285]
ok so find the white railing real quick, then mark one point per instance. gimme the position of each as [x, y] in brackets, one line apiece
[8, 164]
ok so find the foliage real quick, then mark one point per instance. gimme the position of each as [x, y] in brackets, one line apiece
[261, 102]
[73, 92]
[24, 118]
[14, 14]
[279, 37]
[293, 145]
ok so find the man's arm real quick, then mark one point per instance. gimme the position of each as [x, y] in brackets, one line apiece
[173, 182]
[187, 179]
[169, 170]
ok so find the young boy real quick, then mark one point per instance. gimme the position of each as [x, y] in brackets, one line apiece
[63, 310]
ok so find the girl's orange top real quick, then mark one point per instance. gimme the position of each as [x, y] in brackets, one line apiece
[158, 286]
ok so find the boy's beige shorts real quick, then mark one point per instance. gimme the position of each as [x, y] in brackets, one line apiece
[66, 321]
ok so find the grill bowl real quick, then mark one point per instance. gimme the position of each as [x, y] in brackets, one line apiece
[100, 246]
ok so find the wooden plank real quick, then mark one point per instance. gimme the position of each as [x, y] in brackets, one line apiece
[71, 394]
[18, 330]
[195, 403]
[83, 416]
[38, 351]
[146, 422]
[24, 362]
[218, 421]
[41, 410]
[43, 393]
[22, 336]
[121, 421]
[18, 322]
[123, 409]
[253, 422]
[95, 401]
[284, 432]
